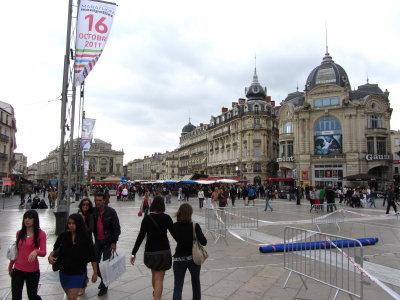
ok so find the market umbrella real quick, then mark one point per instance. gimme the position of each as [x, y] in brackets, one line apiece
[187, 181]
[227, 181]
[205, 181]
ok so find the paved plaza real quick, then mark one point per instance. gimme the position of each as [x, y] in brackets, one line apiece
[235, 268]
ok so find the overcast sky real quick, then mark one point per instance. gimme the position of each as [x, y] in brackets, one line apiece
[166, 59]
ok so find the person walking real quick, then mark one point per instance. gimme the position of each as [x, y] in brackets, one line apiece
[372, 197]
[268, 197]
[312, 197]
[144, 208]
[200, 195]
[106, 232]
[330, 199]
[75, 250]
[31, 243]
[85, 209]
[86, 212]
[157, 255]
[391, 200]
[183, 259]
[233, 194]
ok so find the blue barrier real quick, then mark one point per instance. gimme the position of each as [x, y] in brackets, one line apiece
[317, 245]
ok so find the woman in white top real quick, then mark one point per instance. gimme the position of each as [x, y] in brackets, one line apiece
[200, 195]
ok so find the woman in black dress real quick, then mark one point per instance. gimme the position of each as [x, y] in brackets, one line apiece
[157, 255]
[75, 251]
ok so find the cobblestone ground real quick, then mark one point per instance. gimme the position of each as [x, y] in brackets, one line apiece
[235, 268]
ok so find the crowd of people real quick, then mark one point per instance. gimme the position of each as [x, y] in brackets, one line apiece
[92, 234]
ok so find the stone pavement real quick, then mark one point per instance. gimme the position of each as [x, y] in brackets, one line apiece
[235, 269]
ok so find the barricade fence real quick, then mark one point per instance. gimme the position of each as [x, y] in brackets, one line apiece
[315, 256]
[219, 220]
[320, 215]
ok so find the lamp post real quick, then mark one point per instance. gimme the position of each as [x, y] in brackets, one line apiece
[61, 211]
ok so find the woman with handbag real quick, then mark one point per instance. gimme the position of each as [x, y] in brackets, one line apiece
[73, 249]
[157, 255]
[31, 243]
[183, 259]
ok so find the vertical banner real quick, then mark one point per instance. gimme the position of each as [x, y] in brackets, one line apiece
[85, 167]
[87, 134]
[94, 23]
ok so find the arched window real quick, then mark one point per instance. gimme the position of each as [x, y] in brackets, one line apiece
[287, 127]
[103, 165]
[327, 136]
[92, 164]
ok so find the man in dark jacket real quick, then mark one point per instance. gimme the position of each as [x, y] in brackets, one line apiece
[106, 232]
[330, 199]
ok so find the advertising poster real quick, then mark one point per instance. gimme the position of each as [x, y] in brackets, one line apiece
[94, 23]
[327, 144]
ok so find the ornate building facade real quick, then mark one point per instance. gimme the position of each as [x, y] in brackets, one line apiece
[103, 162]
[8, 129]
[240, 142]
[330, 131]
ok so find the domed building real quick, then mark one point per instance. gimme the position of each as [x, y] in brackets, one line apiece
[330, 131]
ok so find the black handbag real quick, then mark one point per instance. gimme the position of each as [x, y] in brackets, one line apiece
[56, 266]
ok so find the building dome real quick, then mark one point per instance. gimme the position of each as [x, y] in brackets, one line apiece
[255, 91]
[188, 128]
[328, 72]
[296, 98]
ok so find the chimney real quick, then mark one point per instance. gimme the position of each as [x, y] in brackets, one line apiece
[273, 103]
[268, 98]
[234, 104]
[241, 101]
[224, 109]
[201, 124]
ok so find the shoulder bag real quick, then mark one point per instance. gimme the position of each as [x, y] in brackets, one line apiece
[199, 253]
[12, 251]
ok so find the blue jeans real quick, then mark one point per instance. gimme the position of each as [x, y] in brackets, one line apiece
[179, 268]
[267, 204]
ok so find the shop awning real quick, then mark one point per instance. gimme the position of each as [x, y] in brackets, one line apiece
[279, 179]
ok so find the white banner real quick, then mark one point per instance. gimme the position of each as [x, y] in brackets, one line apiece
[87, 133]
[93, 27]
[85, 167]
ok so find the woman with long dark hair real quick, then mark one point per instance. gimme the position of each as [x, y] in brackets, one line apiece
[183, 259]
[157, 255]
[75, 250]
[85, 209]
[31, 243]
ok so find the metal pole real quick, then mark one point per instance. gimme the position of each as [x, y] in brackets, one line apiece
[71, 147]
[61, 210]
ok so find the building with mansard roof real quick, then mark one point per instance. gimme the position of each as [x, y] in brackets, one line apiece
[240, 142]
[330, 131]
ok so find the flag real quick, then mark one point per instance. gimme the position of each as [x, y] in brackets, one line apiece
[93, 28]
[87, 133]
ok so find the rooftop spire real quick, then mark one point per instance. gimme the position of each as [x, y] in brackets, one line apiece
[327, 57]
[255, 76]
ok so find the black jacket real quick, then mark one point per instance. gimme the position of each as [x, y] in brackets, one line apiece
[111, 226]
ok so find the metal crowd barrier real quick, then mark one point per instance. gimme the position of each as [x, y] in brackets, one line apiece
[218, 221]
[321, 216]
[332, 266]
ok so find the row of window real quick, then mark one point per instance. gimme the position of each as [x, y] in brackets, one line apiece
[332, 124]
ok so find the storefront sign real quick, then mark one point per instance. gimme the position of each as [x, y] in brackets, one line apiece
[285, 159]
[370, 157]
